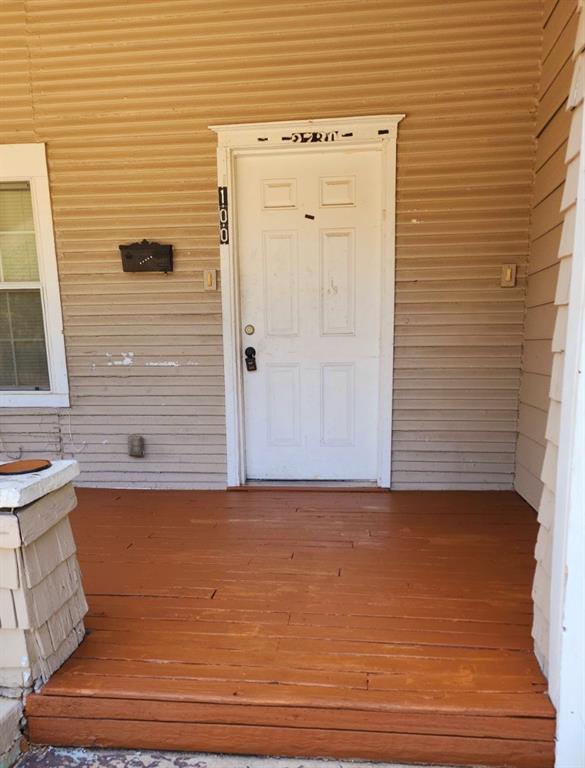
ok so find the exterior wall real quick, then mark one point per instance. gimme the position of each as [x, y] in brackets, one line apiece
[568, 242]
[553, 125]
[123, 95]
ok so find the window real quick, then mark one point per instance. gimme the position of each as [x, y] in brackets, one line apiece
[32, 353]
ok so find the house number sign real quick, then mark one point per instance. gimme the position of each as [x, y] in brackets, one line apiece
[310, 137]
[224, 231]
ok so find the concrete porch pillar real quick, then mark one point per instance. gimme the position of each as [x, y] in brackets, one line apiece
[42, 603]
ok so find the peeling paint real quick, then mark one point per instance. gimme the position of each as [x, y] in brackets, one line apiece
[127, 358]
[164, 363]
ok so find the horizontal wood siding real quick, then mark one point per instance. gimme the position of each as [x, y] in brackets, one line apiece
[123, 95]
[553, 124]
[17, 124]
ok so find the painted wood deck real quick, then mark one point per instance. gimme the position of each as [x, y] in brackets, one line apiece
[374, 625]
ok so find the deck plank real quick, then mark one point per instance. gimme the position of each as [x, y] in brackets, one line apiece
[538, 729]
[385, 626]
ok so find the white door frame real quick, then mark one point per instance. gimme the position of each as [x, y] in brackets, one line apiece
[378, 131]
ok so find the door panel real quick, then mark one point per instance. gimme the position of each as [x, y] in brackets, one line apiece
[309, 244]
[281, 281]
[337, 404]
[283, 396]
[337, 294]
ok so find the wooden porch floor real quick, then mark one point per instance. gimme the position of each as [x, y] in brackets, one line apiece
[384, 626]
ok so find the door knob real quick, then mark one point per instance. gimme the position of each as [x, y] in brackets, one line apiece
[250, 354]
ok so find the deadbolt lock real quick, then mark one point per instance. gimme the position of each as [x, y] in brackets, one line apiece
[249, 330]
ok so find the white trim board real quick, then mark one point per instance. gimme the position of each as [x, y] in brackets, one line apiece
[323, 134]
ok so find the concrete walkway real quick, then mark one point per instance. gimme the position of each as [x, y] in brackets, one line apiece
[53, 757]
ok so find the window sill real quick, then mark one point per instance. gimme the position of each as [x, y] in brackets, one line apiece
[34, 400]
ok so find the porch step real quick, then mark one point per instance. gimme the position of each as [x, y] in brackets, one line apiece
[427, 737]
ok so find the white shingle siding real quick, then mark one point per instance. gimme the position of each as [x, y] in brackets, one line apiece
[548, 475]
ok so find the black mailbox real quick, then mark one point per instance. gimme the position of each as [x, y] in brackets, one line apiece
[147, 257]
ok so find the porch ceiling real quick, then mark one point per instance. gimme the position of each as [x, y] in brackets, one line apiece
[385, 626]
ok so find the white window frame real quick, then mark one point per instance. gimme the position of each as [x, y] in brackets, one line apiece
[28, 162]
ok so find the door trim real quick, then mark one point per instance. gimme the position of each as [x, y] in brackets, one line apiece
[377, 131]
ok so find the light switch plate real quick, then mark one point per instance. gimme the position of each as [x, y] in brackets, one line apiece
[210, 279]
[508, 276]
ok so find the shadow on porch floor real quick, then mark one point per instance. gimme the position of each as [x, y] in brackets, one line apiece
[380, 626]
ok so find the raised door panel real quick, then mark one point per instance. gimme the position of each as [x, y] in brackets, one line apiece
[337, 294]
[335, 191]
[279, 193]
[337, 405]
[283, 400]
[281, 283]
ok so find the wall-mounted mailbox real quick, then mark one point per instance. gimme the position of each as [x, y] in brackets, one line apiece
[147, 257]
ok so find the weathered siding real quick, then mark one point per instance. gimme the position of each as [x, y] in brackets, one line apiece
[553, 123]
[123, 93]
[572, 158]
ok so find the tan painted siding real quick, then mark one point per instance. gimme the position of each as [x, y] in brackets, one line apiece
[553, 123]
[572, 158]
[123, 94]
[16, 116]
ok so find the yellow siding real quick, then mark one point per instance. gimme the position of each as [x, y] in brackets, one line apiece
[123, 93]
[16, 115]
[553, 124]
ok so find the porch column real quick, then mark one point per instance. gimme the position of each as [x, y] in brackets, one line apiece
[42, 603]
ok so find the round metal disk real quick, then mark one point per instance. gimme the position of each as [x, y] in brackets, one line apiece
[24, 467]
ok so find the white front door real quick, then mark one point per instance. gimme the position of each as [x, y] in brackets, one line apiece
[309, 245]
